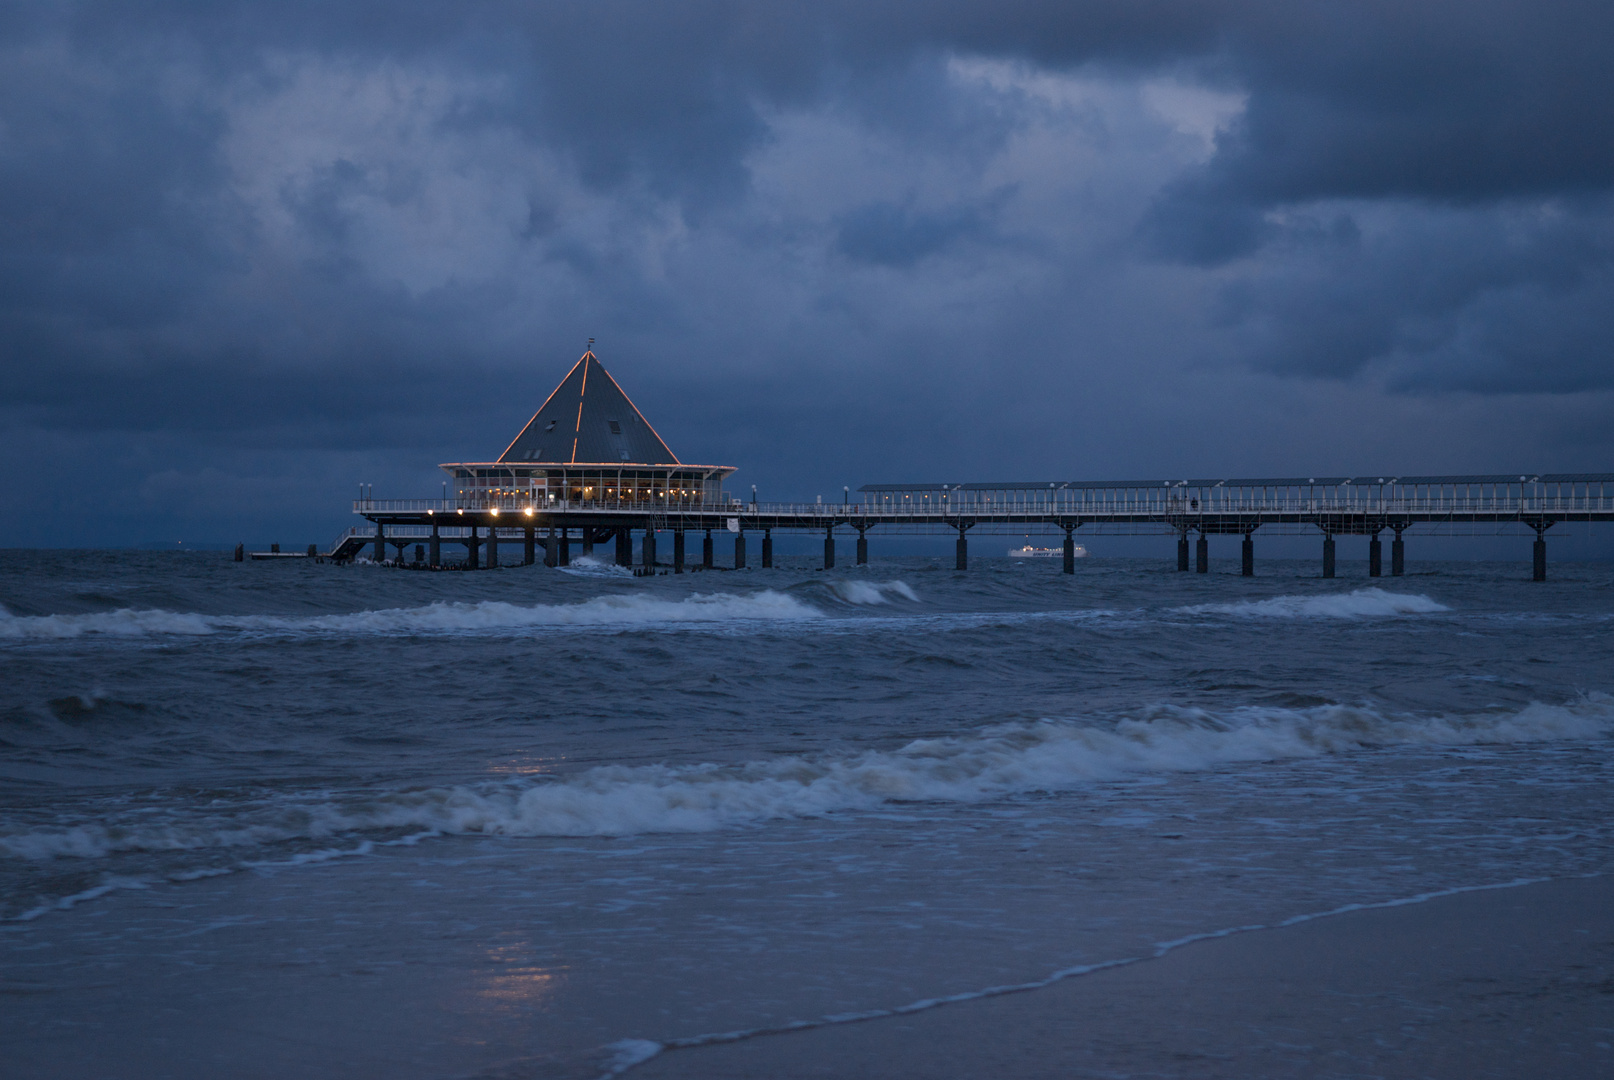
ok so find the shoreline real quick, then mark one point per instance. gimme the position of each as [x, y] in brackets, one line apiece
[1496, 981]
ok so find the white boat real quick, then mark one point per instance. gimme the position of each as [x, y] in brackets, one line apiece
[1029, 552]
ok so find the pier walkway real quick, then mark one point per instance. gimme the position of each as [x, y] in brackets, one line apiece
[1329, 506]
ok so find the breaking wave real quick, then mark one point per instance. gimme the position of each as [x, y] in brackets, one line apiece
[440, 617]
[1046, 756]
[1362, 603]
[870, 592]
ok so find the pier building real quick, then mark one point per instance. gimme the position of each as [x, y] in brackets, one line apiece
[589, 468]
[586, 444]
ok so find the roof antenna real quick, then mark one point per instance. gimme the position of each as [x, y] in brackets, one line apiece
[590, 344]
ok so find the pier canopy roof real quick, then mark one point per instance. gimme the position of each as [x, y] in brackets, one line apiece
[589, 418]
[587, 443]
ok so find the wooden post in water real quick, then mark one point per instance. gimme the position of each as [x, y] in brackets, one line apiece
[1328, 555]
[767, 549]
[1202, 554]
[1070, 549]
[1375, 557]
[1248, 553]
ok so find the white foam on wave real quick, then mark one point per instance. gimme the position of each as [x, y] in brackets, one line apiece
[440, 617]
[589, 566]
[1012, 759]
[870, 592]
[1359, 604]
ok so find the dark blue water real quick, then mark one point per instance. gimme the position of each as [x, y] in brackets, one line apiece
[371, 821]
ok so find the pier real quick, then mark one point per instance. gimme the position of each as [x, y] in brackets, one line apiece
[589, 469]
[488, 524]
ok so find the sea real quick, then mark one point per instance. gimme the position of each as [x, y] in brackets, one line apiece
[298, 819]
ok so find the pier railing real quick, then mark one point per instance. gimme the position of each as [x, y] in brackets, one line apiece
[1076, 504]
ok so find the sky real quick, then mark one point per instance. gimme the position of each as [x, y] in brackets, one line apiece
[252, 255]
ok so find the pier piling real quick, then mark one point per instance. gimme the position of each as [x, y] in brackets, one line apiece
[1398, 555]
[767, 549]
[1375, 557]
[1182, 550]
[739, 550]
[564, 552]
[961, 560]
[706, 551]
[1070, 550]
[529, 546]
[678, 551]
[829, 548]
[380, 543]
[493, 547]
[436, 548]
[550, 559]
[862, 547]
[1247, 556]
[1328, 555]
[647, 551]
[473, 555]
[624, 548]
[1202, 554]
[1539, 555]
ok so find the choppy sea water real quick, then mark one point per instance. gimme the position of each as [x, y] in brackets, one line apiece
[534, 822]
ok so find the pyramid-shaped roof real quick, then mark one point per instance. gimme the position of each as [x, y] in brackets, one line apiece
[589, 419]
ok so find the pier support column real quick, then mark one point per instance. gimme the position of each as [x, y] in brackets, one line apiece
[1398, 555]
[706, 551]
[380, 543]
[473, 550]
[1202, 554]
[961, 556]
[739, 550]
[1539, 553]
[862, 548]
[1070, 550]
[549, 548]
[1375, 557]
[829, 548]
[435, 551]
[420, 553]
[493, 547]
[1247, 567]
[1328, 555]
[529, 547]
[767, 549]
[678, 551]
[1182, 551]
[624, 548]
[588, 541]
[648, 551]
[563, 554]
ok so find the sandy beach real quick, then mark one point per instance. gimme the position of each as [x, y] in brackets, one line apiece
[1514, 982]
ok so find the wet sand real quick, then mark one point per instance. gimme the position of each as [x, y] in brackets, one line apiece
[1515, 982]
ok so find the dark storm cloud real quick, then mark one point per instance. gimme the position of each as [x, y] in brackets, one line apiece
[331, 226]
